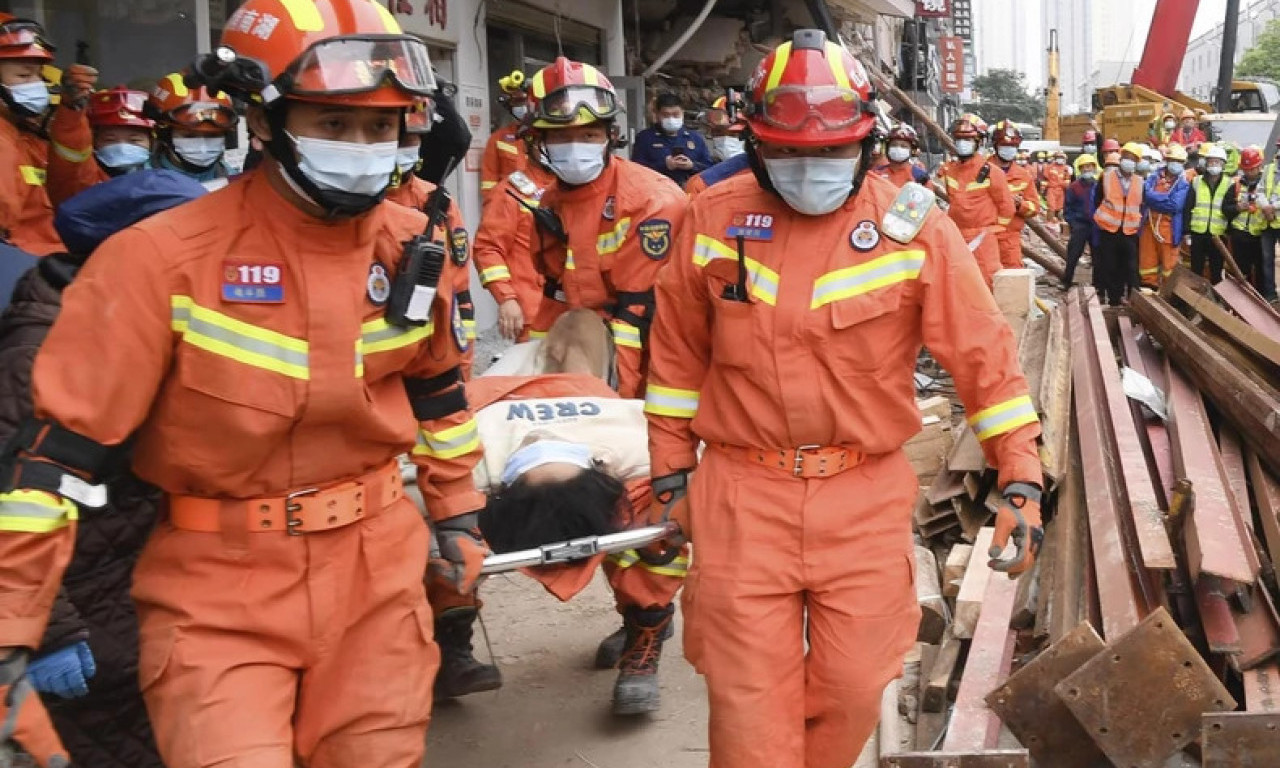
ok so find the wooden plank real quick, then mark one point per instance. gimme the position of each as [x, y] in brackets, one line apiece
[1244, 303]
[944, 669]
[1112, 694]
[1266, 491]
[933, 609]
[1213, 533]
[1033, 348]
[1246, 336]
[1144, 506]
[973, 725]
[974, 587]
[1014, 291]
[1029, 706]
[1055, 398]
[954, 568]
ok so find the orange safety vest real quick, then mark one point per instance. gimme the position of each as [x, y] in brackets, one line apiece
[1117, 209]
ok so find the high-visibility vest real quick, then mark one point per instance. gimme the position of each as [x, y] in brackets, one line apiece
[1119, 211]
[1245, 221]
[1271, 188]
[1207, 216]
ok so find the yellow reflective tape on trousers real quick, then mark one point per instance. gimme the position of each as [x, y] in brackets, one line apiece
[498, 272]
[240, 341]
[764, 281]
[450, 443]
[505, 147]
[625, 334]
[611, 241]
[678, 567]
[669, 401]
[1004, 417]
[34, 512]
[886, 270]
[33, 176]
[381, 336]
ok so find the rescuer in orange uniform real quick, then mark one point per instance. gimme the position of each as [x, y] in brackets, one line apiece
[117, 133]
[788, 349]
[619, 219]
[1007, 138]
[1057, 177]
[503, 250]
[267, 362]
[902, 141]
[980, 201]
[504, 153]
[26, 214]
[192, 126]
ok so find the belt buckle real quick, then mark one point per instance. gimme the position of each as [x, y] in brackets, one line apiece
[292, 525]
[797, 469]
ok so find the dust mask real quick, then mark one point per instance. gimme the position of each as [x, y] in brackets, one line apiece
[966, 147]
[1006, 153]
[672, 124]
[1144, 167]
[541, 452]
[812, 185]
[576, 162]
[200, 151]
[518, 112]
[121, 158]
[1213, 170]
[1169, 125]
[899, 154]
[30, 98]
[1089, 149]
[1175, 168]
[725, 147]
[1127, 166]
[406, 160]
[345, 166]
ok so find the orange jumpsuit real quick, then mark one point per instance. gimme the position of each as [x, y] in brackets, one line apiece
[621, 228]
[1158, 251]
[979, 207]
[898, 174]
[26, 212]
[1056, 180]
[1021, 184]
[243, 345]
[503, 254]
[504, 154]
[72, 165]
[821, 355]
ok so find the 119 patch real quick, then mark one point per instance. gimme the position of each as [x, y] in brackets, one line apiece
[252, 283]
[655, 238]
[751, 226]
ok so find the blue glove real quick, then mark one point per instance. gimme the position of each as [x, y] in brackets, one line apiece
[65, 672]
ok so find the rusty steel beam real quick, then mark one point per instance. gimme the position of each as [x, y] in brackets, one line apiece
[1219, 625]
[1259, 630]
[973, 725]
[1247, 304]
[1241, 333]
[1003, 758]
[1121, 604]
[1262, 688]
[1266, 491]
[1254, 410]
[1161, 452]
[1216, 539]
[1054, 266]
[1240, 740]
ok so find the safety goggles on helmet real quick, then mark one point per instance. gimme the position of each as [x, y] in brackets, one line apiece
[563, 105]
[359, 64]
[20, 33]
[203, 113]
[791, 106]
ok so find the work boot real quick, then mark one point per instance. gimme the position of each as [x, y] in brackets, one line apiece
[609, 652]
[636, 690]
[460, 672]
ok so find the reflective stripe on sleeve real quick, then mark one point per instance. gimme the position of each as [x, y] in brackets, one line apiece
[449, 443]
[763, 281]
[881, 272]
[237, 340]
[1004, 417]
[487, 185]
[381, 336]
[505, 147]
[668, 401]
[35, 512]
[33, 176]
[611, 241]
[494, 273]
[678, 567]
[625, 334]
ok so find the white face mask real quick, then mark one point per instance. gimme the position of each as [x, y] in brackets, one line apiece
[725, 147]
[1169, 125]
[1127, 165]
[406, 160]
[123, 156]
[200, 151]
[1144, 167]
[1214, 169]
[576, 162]
[31, 97]
[542, 452]
[1176, 168]
[899, 154]
[344, 166]
[812, 185]
[966, 147]
[672, 124]
[518, 112]
[1089, 149]
[1006, 153]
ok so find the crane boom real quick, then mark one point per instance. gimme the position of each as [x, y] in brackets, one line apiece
[1166, 46]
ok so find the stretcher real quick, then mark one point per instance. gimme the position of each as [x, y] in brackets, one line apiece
[578, 549]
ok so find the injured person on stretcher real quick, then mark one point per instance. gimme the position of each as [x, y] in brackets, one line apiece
[565, 458]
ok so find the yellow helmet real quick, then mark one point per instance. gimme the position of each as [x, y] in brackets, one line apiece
[1133, 148]
[1175, 152]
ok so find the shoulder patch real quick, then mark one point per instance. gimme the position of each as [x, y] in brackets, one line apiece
[458, 246]
[906, 215]
[655, 238]
[523, 184]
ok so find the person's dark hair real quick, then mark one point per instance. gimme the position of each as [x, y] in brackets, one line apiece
[527, 515]
[665, 100]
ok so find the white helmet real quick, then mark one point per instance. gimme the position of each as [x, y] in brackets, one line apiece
[1216, 152]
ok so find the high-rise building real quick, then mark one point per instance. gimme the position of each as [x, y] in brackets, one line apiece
[1074, 22]
[1004, 38]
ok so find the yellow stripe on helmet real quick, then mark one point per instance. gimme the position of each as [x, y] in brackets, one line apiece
[304, 14]
[176, 85]
[835, 59]
[780, 59]
[536, 87]
[590, 75]
[389, 21]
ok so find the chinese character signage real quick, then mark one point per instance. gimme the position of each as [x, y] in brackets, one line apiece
[933, 8]
[962, 19]
[951, 52]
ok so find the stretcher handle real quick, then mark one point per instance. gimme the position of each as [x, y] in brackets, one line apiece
[579, 549]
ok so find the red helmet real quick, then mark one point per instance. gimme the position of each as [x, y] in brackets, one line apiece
[810, 92]
[1006, 134]
[1250, 159]
[1089, 137]
[965, 127]
[567, 93]
[24, 39]
[119, 107]
[1110, 145]
[173, 104]
[344, 51]
[903, 132]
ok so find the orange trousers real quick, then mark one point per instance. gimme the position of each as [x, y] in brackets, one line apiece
[779, 558]
[1010, 242]
[1155, 259]
[988, 252]
[259, 647]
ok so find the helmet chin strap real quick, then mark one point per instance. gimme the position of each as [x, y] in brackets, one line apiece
[334, 203]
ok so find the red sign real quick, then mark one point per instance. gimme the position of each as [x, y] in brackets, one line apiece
[951, 52]
[933, 8]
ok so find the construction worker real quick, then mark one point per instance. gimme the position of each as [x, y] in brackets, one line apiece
[1187, 133]
[192, 127]
[504, 153]
[1162, 129]
[1078, 208]
[669, 148]
[726, 147]
[1241, 208]
[1233, 158]
[1057, 176]
[1205, 214]
[26, 213]
[1163, 224]
[1006, 137]
[1118, 216]
[800, 604]
[1109, 146]
[617, 218]
[902, 144]
[1089, 142]
[1149, 162]
[980, 201]
[1268, 206]
[281, 610]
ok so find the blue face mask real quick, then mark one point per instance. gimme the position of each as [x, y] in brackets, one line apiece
[543, 452]
[123, 157]
[32, 98]
[1175, 168]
